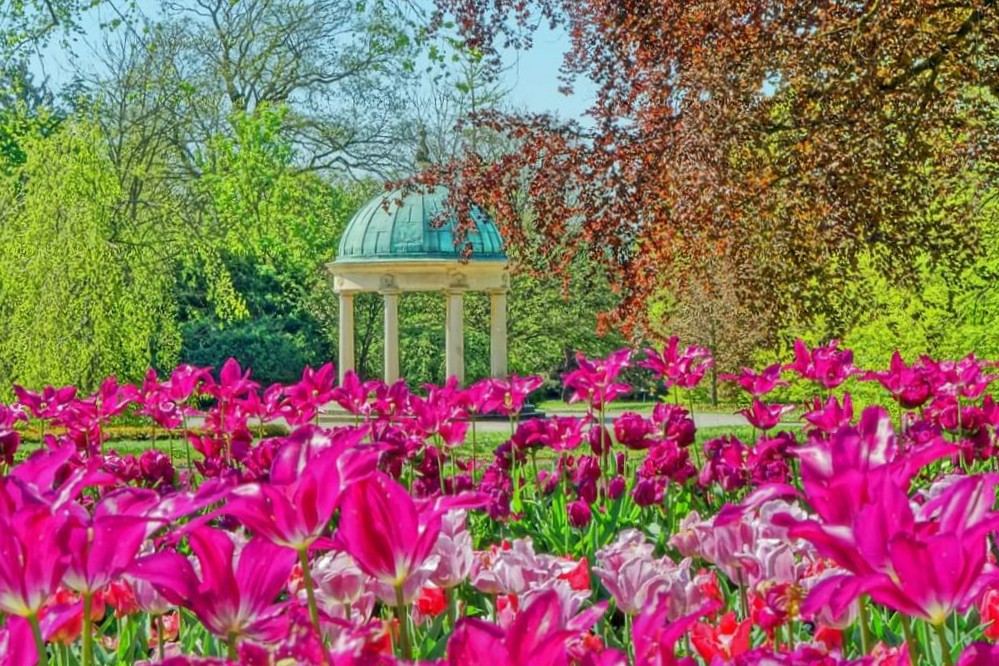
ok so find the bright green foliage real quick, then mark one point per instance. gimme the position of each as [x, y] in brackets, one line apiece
[268, 228]
[260, 211]
[25, 111]
[80, 297]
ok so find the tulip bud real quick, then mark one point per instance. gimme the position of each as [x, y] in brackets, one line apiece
[645, 493]
[579, 514]
[600, 440]
[616, 487]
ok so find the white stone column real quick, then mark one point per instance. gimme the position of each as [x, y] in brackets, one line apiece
[346, 359]
[455, 336]
[391, 297]
[497, 334]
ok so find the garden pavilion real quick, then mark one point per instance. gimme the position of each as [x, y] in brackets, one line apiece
[401, 242]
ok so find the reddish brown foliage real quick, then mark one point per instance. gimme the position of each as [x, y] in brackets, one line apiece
[782, 137]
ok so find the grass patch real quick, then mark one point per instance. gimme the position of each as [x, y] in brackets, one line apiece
[485, 442]
[640, 406]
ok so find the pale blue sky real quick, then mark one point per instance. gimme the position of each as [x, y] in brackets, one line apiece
[531, 78]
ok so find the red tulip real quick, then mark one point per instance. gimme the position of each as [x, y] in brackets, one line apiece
[729, 639]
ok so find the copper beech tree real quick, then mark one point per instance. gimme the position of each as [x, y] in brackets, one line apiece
[781, 137]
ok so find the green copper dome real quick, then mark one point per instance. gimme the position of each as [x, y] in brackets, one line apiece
[387, 229]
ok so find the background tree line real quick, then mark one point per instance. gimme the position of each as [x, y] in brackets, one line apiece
[177, 202]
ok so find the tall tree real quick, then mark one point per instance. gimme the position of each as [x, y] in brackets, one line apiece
[30, 25]
[81, 297]
[26, 109]
[785, 137]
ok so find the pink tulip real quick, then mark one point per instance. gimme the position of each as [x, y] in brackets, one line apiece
[473, 398]
[102, 546]
[675, 368]
[927, 563]
[302, 401]
[829, 366]
[308, 477]
[234, 594]
[10, 439]
[439, 415]
[675, 422]
[634, 431]
[579, 514]
[33, 555]
[634, 583]
[507, 396]
[765, 415]
[559, 433]
[837, 473]
[830, 416]
[655, 639]
[390, 401]
[979, 654]
[757, 385]
[595, 380]
[352, 394]
[965, 378]
[338, 579]
[454, 551]
[725, 464]
[184, 381]
[48, 404]
[909, 386]
[534, 638]
[17, 644]
[232, 383]
[147, 598]
[385, 531]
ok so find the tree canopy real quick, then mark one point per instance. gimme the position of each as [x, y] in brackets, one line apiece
[783, 138]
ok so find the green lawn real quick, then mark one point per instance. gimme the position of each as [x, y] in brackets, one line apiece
[640, 406]
[550, 406]
[486, 441]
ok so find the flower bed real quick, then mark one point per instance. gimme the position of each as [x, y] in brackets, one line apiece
[855, 539]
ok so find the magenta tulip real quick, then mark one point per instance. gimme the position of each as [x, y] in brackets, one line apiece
[595, 380]
[831, 415]
[308, 477]
[765, 415]
[534, 638]
[909, 386]
[684, 369]
[828, 366]
[385, 531]
[102, 546]
[757, 385]
[235, 592]
[507, 396]
[33, 556]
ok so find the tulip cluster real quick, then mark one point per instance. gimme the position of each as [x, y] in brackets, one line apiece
[832, 536]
